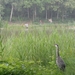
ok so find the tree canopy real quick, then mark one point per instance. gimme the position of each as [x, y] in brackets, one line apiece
[32, 9]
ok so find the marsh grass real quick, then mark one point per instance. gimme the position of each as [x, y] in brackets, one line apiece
[37, 46]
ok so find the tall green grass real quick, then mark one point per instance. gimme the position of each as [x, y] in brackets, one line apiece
[36, 47]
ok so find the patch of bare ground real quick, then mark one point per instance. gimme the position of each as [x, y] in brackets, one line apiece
[71, 27]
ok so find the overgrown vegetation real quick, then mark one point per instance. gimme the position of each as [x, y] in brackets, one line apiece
[32, 52]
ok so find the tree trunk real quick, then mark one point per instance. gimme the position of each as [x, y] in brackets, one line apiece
[28, 12]
[11, 13]
[62, 16]
[57, 14]
[46, 14]
[0, 17]
[34, 13]
[51, 14]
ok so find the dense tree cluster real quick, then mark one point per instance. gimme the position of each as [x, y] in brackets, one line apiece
[31, 9]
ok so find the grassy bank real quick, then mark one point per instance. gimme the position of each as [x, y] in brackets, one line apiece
[32, 51]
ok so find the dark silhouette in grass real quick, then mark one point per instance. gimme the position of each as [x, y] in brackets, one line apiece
[59, 61]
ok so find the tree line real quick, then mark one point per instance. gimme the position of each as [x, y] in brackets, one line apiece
[33, 9]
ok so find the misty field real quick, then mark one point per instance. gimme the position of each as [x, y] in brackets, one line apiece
[32, 51]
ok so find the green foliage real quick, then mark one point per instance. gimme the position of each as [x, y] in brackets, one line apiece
[48, 8]
[1, 48]
[32, 52]
[23, 68]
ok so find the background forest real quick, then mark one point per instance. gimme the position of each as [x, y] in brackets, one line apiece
[12, 10]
